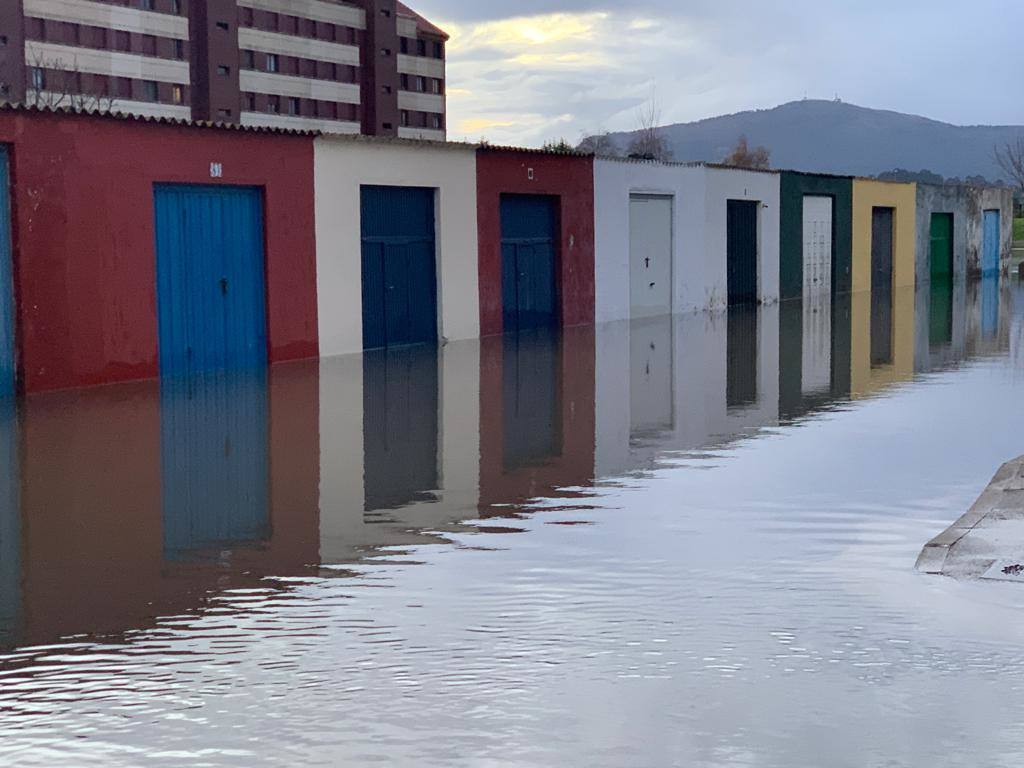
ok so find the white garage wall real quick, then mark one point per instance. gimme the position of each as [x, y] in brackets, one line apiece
[341, 166]
[699, 231]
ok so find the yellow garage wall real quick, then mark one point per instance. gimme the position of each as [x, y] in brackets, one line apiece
[868, 194]
[866, 379]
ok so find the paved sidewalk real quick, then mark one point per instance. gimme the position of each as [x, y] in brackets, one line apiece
[988, 541]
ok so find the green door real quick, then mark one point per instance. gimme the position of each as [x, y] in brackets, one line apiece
[942, 247]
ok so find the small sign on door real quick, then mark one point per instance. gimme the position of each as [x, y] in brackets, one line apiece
[216, 170]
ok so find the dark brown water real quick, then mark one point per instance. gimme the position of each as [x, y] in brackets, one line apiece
[689, 541]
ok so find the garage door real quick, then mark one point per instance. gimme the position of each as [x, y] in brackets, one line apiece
[650, 377]
[817, 295]
[990, 245]
[941, 256]
[210, 278]
[817, 246]
[531, 398]
[650, 255]
[881, 248]
[214, 460]
[741, 251]
[529, 285]
[10, 521]
[399, 266]
[7, 366]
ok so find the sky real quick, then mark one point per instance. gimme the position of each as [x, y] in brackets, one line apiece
[527, 71]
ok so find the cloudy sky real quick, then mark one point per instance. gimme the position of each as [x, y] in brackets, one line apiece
[529, 70]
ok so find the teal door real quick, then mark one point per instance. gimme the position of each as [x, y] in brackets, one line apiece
[990, 244]
[210, 278]
[942, 247]
[7, 362]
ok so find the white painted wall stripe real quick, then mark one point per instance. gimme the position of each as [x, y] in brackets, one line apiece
[420, 65]
[335, 13]
[421, 102]
[286, 85]
[303, 47]
[110, 16]
[112, 63]
[427, 134]
[294, 122]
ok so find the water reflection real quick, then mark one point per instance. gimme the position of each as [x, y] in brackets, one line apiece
[215, 537]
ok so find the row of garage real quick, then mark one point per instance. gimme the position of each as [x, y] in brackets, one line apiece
[132, 248]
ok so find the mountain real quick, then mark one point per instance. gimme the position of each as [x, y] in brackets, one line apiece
[834, 137]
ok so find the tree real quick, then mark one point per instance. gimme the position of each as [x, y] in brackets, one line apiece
[55, 85]
[599, 144]
[742, 156]
[1010, 158]
[559, 145]
[649, 142]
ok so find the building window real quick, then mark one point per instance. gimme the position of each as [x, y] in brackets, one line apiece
[405, 117]
[150, 90]
[124, 87]
[177, 94]
[403, 81]
[3, 41]
[274, 104]
[225, 113]
[149, 45]
[435, 122]
[438, 50]
[223, 70]
[249, 59]
[386, 88]
[404, 45]
[122, 41]
[250, 102]
[421, 47]
[246, 14]
[175, 6]
[271, 62]
[385, 13]
[385, 52]
[294, 106]
[421, 84]
[179, 49]
[435, 85]
[223, 25]
[146, 5]
[38, 78]
[387, 126]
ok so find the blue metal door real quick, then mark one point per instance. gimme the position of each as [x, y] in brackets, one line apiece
[210, 278]
[7, 363]
[529, 284]
[990, 244]
[214, 460]
[399, 266]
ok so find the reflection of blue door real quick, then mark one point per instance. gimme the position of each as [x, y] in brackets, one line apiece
[989, 306]
[6, 281]
[210, 278]
[990, 244]
[10, 528]
[214, 460]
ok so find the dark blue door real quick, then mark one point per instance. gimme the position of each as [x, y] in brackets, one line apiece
[529, 284]
[399, 266]
[990, 244]
[741, 251]
[214, 460]
[6, 281]
[210, 278]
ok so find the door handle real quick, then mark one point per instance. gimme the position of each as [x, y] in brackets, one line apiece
[647, 262]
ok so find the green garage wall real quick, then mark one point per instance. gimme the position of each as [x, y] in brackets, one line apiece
[794, 186]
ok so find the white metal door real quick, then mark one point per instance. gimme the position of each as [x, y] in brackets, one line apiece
[650, 255]
[650, 380]
[817, 294]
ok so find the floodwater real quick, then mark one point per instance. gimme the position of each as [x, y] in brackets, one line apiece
[689, 541]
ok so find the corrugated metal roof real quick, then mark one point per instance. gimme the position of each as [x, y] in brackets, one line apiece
[399, 141]
[485, 147]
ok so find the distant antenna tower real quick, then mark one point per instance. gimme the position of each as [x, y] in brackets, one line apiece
[838, 100]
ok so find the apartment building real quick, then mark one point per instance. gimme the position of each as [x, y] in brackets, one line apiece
[366, 66]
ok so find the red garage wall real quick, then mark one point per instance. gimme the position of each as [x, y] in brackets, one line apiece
[85, 266]
[571, 179]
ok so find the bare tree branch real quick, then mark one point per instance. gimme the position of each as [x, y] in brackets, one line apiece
[60, 87]
[649, 142]
[1010, 157]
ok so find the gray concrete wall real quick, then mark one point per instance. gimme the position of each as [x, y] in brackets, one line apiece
[960, 201]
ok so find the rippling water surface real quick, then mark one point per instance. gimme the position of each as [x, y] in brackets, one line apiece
[686, 542]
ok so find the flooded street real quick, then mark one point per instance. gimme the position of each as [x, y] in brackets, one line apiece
[689, 541]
